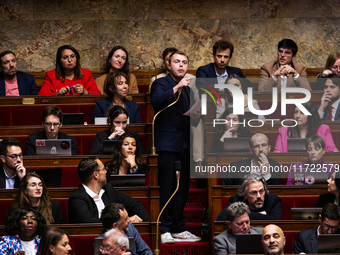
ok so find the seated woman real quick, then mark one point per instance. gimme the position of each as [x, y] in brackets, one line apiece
[118, 61]
[229, 130]
[227, 101]
[333, 191]
[332, 67]
[315, 147]
[126, 157]
[23, 229]
[307, 126]
[117, 120]
[55, 241]
[116, 88]
[68, 78]
[33, 193]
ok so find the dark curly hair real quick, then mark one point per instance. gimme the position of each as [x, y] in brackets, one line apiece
[117, 156]
[12, 226]
[313, 122]
[59, 70]
[241, 131]
[125, 68]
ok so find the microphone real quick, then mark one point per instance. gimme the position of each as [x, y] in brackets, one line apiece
[177, 166]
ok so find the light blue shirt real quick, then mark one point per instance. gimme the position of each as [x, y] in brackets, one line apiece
[9, 180]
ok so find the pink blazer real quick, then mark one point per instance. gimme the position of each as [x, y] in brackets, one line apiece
[323, 131]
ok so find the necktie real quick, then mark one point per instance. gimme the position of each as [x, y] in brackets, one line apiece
[330, 116]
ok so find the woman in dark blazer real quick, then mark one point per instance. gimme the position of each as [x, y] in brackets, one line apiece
[116, 87]
[333, 189]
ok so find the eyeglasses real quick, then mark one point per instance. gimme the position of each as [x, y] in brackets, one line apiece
[15, 156]
[49, 124]
[286, 52]
[254, 193]
[107, 248]
[327, 227]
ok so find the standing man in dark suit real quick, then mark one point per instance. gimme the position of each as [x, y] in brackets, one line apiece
[172, 140]
[238, 223]
[52, 120]
[13, 82]
[262, 204]
[222, 54]
[329, 108]
[259, 162]
[12, 170]
[85, 205]
[307, 241]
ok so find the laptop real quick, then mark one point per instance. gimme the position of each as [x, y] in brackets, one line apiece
[51, 176]
[329, 243]
[99, 241]
[248, 244]
[305, 213]
[53, 147]
[108, 146]
[236, 144]
[309, 176]
[296, 144]
[73, 118]
[127, 180]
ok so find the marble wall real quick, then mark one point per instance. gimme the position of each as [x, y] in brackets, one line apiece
[34, 29]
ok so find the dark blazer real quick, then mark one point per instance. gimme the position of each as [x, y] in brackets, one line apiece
[3, 179]
[101, 136]
[307, 241]
[326, 113]
[56, 212]
[26, 84]
[132, 108]
[30, 142]
[225, 243]
[236, 178]
[208, 71]
[325, 199]
[172, 128]
[142, 168]
[82, 208]
[272, 205]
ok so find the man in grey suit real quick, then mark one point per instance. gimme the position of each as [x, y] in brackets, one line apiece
[238, 222]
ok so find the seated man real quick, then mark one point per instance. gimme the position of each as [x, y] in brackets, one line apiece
[13, 82]
[273, 240]
[307, 241]
[219, 70]
[115, 243]
[12, 170]
[52, 120]
[262, 204]
[329, 108]
[259, 148]
[85, 205]
[115, 216]
[282, 72]
[238, 222]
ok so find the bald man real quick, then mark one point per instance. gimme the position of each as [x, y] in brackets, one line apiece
[273, 240]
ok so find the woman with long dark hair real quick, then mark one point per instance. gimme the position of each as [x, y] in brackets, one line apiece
[68, 77]
[229, 130]
[54, 241]
[333, 188]
[33, 193]
[307, 126]
[332, 66]
[118, 61]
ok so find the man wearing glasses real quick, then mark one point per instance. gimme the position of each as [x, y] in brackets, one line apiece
[12, 170]
[307, 241]
[115, 243]
[262, 204]
[282, 72]
[52, 120]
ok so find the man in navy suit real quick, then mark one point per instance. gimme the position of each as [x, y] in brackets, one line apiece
[222, 54]
[13, 82]
[307, 241]
[172, 140]
[329, 108]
